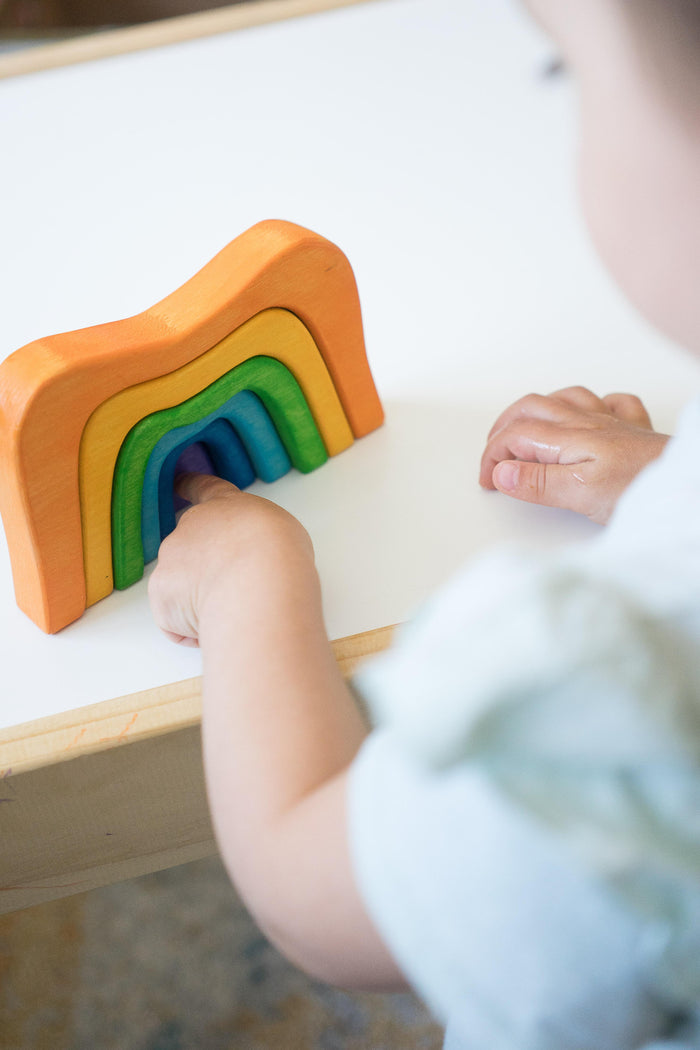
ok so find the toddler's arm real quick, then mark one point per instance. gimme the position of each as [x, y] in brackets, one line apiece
[280, 728]
[571, 449]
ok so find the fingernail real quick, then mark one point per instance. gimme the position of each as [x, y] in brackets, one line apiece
[507, 475]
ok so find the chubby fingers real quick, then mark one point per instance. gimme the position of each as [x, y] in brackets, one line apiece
[579, 397]
[200, 488]
[525, 438]
[532, 406]
[570, 404]
[535, 426]
[539, 462]
[571, 449]
[625, 406]
[550, 484]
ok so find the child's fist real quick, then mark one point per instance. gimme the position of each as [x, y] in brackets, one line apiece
[571, 449]
[227, 542]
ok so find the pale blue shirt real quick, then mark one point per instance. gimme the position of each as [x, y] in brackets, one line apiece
[525, 820]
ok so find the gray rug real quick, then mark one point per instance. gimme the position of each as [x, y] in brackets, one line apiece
[173, 961]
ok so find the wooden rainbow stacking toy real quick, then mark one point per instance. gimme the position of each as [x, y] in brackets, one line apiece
[259, 360]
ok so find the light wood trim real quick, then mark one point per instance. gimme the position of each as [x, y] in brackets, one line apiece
[113, 790]
[136, 717]
[104, 44]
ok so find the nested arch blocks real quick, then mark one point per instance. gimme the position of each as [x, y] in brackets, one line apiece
[69, 404]
[281, 395]
[277, 332]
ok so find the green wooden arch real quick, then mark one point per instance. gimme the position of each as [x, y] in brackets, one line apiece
[282, 397]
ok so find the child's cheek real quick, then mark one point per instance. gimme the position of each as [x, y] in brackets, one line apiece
[620, 207]
[640, 196]
[601, 184]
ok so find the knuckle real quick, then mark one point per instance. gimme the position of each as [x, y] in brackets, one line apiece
[578, 396]
[623, 398]
[526, 403]
[636, 404]
[628, 406]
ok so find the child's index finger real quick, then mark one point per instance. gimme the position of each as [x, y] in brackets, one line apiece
[199, 488]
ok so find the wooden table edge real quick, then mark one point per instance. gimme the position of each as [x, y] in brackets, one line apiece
[113, 790]
[137, 716]
[89, 47]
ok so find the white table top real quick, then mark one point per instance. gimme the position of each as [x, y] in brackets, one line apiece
[421, 137]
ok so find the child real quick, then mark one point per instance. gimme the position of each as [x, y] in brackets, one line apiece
[520, 837]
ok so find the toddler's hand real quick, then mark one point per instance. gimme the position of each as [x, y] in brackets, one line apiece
[227, 542]
[571, 449]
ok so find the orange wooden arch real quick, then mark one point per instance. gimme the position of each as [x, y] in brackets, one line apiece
[49, 388]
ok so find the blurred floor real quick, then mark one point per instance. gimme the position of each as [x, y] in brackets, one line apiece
[173, 961]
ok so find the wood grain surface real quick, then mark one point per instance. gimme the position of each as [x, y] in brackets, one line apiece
[113, 790]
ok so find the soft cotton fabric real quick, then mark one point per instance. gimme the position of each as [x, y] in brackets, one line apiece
[525, 820]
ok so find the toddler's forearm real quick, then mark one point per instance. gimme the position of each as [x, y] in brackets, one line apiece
[278, 720]
[280, 728]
